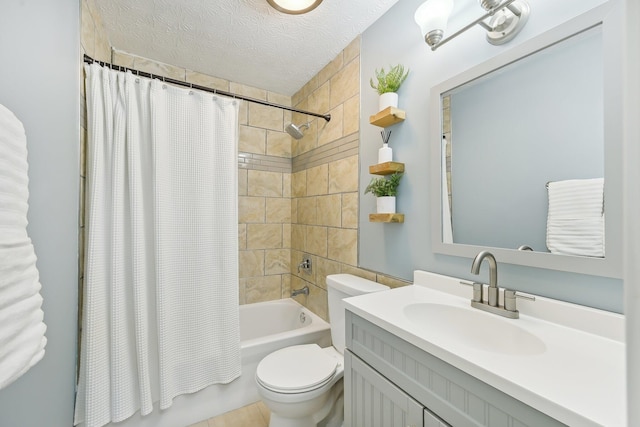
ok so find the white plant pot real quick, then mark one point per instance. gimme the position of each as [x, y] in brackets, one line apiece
[386, 204]
[389, 99]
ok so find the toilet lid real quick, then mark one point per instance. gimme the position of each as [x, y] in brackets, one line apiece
[300, 367]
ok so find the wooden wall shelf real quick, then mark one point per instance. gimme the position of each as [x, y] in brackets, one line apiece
[387, 217]
[386, 168]
[387, 117]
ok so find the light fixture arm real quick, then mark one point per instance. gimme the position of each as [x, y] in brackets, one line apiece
[480, 21]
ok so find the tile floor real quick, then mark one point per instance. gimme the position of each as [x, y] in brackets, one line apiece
[254, 415]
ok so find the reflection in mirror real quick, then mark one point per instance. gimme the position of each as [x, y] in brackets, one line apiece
[523, 153]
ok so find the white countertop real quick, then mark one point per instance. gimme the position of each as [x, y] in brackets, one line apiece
[579, 379]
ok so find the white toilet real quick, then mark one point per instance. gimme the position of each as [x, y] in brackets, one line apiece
[302, 384]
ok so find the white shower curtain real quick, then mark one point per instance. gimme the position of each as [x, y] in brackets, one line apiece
[160, 313]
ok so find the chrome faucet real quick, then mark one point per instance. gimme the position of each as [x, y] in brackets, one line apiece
[305, 265]
[493, 274]
[296, 292]
[493, 304]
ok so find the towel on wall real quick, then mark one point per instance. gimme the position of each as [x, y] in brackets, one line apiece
[575, 221]
[22, 339]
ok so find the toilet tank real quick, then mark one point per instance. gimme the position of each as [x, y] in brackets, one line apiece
[340, 286]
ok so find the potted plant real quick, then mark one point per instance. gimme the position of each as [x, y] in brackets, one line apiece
[385, 189]
[388, 84]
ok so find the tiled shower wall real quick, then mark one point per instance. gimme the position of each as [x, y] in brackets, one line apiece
[296, 197]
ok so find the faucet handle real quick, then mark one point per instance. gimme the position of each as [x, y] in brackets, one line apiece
[477, 290]
[510, 299]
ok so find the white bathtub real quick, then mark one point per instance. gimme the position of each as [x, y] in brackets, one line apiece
[264, 328]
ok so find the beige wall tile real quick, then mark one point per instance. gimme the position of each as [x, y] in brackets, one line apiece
[251, 264]
[102, 45]
[297, 236]
[352, 50]
[350, 210]
[252, 92]
[343, 175]
[286, 185]
[286, 235]
[242, 182]
[277, 261]
[319, 99]
[263, 183]
[299, 184]
[294, 211]
[351, 115]
[278, 210]
[345, 83]
[243, 112]
[330, 210]
[316, 240]
[124, 59]
[330, 69]
[318, 180]
[87, 36]
[264, 236]
[332, 130]
[252, 140]
[307, 210]
[242, 236]
[153, 67]
[304, 92]
[349, 269]
[242, 285]
[286, 289]
[325, 267]
[343, 245]
[278, 144]
[251, 209]
[266, 288]
[278, 98]
[266, 117]
[207, 81]
[317, 301]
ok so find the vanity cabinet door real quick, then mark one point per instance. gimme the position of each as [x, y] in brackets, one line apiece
[430, 420]
[373, 401]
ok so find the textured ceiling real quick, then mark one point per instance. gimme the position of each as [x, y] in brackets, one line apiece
[245, 41]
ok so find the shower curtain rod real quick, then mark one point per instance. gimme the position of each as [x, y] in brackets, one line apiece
[90, 60]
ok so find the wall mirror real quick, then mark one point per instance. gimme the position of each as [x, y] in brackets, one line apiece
[524, 158]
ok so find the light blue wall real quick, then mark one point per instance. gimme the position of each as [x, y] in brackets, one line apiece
[39, 82]
[398, 249]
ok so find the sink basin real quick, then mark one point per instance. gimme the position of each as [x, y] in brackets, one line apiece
[476, 328]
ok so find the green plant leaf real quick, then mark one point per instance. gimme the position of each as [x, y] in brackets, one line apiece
[391, 81]
[381, 187]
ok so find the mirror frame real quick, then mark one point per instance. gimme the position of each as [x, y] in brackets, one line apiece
[611, 264]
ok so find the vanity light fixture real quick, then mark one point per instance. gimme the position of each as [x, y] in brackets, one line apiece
[506, 20]
[294, 7]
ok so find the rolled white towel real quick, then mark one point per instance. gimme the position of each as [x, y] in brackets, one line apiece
[22, 329]
[575, 220]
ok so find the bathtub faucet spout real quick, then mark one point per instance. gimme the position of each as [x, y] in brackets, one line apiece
[296, 292]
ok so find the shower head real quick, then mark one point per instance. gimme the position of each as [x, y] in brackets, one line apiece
[296, 131]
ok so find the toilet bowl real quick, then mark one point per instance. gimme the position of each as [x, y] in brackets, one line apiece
[302, 385]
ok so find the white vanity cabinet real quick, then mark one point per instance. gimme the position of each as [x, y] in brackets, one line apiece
[390, 382]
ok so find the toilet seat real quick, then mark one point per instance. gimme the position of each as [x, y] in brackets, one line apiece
[296, 369]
